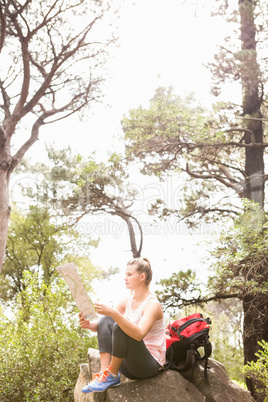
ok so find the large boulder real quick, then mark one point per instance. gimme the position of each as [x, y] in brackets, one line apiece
[167, 386]
[83, 379]
[218, 387]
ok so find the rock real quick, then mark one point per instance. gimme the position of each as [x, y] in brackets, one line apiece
[218, 387]
[93, 358]
[167, 386]
[85, 377]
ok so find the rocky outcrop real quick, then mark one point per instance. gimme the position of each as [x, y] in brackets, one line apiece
[218, 387]
[167, 386]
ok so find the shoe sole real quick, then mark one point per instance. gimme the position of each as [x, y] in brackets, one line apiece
[112, 386]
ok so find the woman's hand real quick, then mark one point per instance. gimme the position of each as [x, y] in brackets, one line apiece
[83, 322]
[103, 309]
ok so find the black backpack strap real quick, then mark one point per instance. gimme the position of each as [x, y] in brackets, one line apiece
[208, 350]
[186, 324]
[170, 358]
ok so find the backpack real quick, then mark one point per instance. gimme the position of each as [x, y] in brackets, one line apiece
[184, 339]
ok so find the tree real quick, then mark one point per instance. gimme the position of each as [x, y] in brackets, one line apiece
[51, 72]
[248, 66]
[226, 335]
[219, 153]
[182, 294]
[40, 357]
[252, 79]
[226, 151]
[240, 261]
[182, 289]
[79, 186]
[241, 272]
[176, 135]
[38, 244]
[259, 369]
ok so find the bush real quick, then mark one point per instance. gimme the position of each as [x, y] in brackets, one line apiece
[258, 370]
[41, 347]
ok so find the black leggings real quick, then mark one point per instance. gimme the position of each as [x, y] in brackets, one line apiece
[137, 360]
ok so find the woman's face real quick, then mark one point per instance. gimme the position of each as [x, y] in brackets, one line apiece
[133, 278]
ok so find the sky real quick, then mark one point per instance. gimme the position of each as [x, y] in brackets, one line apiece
[161, 43]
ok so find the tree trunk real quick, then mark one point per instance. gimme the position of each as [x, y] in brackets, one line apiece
[255, 329]
[254, 164]
[4, 212]
[255, 307]
[5, 169]
[250, 80]
[135, 252]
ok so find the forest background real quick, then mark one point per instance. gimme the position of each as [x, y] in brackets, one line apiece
[152, 58]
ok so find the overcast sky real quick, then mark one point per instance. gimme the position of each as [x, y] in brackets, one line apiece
[161, 43]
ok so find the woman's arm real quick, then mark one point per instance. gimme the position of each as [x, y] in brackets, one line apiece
[152, 312]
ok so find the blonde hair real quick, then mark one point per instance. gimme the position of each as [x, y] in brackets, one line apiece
[143, 266]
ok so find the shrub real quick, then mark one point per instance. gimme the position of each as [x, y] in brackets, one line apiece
[41, 346]
[258, 370]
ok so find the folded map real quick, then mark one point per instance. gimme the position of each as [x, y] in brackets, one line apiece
[83, 301]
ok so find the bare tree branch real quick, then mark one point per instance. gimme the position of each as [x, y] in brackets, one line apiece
[192, 145]
[200, 300]
[202, 212]
[6, 99]
[26, 76]
[205, 176]
[2, 27]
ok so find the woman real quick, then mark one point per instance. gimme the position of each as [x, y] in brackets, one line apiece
[132, 336]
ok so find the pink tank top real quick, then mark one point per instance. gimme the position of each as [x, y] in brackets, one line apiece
[155, 340]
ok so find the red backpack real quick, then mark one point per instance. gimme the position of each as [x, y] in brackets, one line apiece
[185, 339]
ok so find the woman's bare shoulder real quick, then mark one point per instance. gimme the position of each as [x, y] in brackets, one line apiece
[154, 305]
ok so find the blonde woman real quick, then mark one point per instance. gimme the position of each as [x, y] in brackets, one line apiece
[132, 335]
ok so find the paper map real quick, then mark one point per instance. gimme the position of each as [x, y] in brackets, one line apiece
[83, 301]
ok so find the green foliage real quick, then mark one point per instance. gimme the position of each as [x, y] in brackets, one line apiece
[76, 187]
[181, 295]
[172, 124]
[240, 261]
[175, 135]
[38, 243]
[226, 336]
[225, 333]
[241, 257]
[181, 289]
[158, 130]
[41, 346]
[259, 370]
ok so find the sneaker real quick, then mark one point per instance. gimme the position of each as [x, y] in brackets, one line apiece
[100, 384]
[95, 376]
